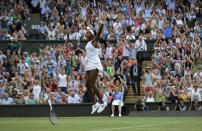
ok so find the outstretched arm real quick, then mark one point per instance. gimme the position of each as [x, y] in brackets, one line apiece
[95, 39]
[80, 5]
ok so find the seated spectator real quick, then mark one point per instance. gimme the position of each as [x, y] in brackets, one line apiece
[47, 93]
[14, 46]
[2, 89]
[185, 96]
[52, 98]
[81, 92]
[41, 99]
[180, 106]
[31, 99]
[64, 99]
[160, 98]
[150, 97]
[141, 106]
[117, 101]
[58, 94]
[7, 100]
[82, 70]
[195, 95]
[104, 95]
[20, 99]
[73, 98]
[26, 95]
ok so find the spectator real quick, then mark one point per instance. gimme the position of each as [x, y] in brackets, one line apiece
[20, 99]
[42, 30]
[180, 106]
[63, 81]
[150, 97]
[73, 98]
[2, 90]
[135, 76]
[31, 99]
[7, 100]
[148, 80]
[133, 52]
[118, 101]
[64, 99]
[36, 89]
[176, 56]
[52, 98]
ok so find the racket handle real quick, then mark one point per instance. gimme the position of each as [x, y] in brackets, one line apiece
[49, 102]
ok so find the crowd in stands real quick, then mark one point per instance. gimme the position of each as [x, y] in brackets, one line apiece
[58, 71]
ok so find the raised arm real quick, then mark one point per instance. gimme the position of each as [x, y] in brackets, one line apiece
[80, 5]
[126, 43]
[95, 39]
[121, 2]
[151, 6]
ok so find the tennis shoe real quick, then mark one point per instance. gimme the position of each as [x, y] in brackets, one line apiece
[95, 108]
[102, 107]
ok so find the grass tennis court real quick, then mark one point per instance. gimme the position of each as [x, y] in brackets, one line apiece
[103, 124]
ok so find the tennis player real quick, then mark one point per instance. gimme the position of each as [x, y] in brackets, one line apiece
[93, 67]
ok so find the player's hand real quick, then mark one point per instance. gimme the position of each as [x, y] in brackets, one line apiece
[51, 108]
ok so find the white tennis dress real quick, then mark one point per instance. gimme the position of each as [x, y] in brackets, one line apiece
[93, 61]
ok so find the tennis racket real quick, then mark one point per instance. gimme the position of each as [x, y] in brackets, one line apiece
[53, 117]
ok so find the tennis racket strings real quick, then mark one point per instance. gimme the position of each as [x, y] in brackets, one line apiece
[53, 117]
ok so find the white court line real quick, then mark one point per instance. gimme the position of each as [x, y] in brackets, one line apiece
[109, 129]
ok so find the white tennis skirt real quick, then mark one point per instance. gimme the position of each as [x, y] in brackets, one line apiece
[93, 66]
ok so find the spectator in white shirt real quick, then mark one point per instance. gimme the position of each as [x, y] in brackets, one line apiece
[109, 51]
[140, 50]
[179, 21]
[195, 95]
[160, 23]
[36, 89]
[73, 84]
[35, 3]
[73, 98]
[150, 97]
[63, 81]
[144, 45]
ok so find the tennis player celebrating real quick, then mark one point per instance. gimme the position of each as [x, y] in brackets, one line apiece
[93, 67]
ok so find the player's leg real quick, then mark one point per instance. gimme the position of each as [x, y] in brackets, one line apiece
[93, 75]
[89, 87]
